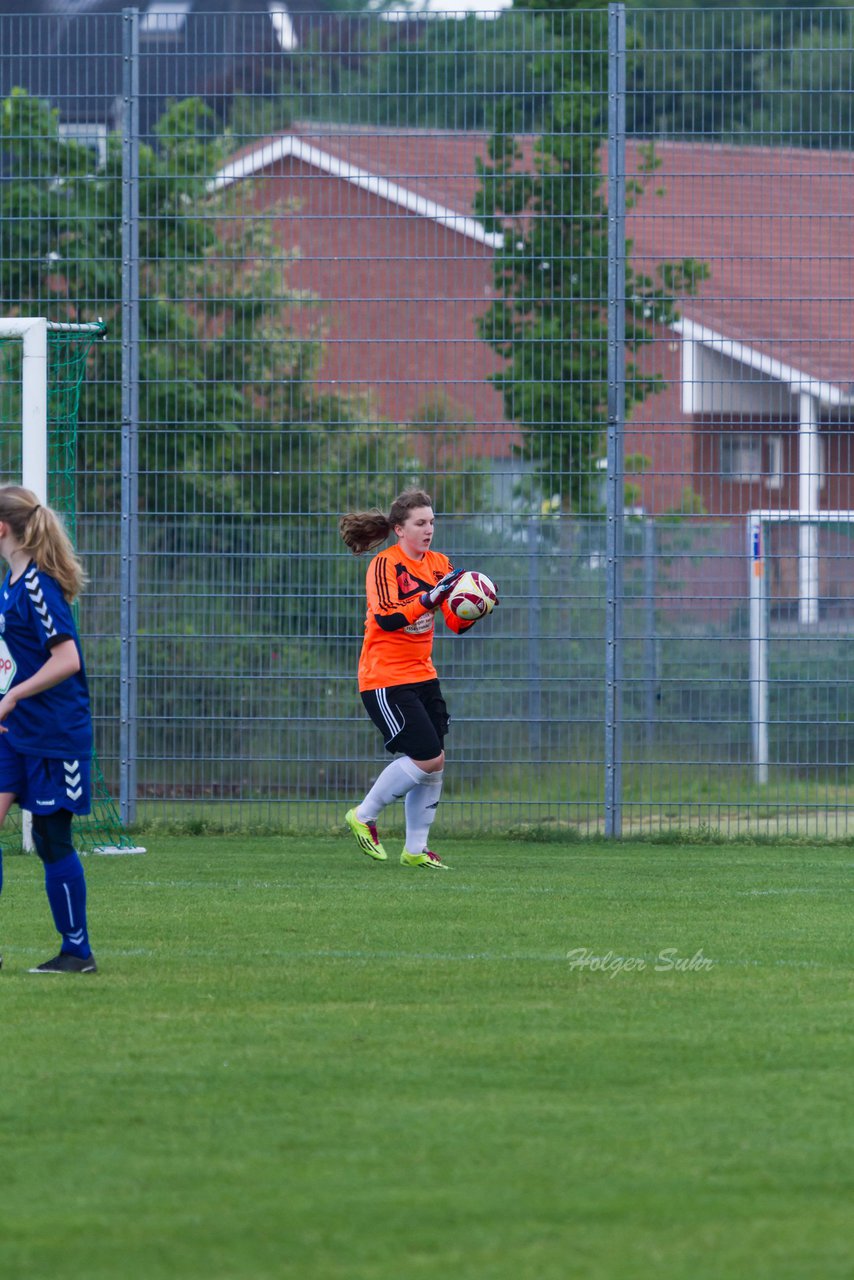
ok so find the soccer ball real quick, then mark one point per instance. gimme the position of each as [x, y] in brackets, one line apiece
[473, 596]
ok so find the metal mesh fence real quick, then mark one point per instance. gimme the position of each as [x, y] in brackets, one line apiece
[585, 276]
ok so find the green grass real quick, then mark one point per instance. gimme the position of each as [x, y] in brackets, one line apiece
[297, 1065]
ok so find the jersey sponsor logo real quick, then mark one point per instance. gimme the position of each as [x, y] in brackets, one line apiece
[420, 625]
[7, 668]
[406, 584]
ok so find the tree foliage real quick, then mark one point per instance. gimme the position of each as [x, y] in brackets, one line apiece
[775, 75]
[228, 348]
[549, 320]
[431, 73]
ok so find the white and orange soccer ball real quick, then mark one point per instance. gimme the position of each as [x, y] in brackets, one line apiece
[473, 596]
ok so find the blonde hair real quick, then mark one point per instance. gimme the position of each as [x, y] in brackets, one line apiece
[364, 530]
[41, 533]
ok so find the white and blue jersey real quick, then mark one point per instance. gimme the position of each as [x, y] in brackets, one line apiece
[34, 617]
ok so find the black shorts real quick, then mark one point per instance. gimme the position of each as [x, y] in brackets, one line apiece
[412, 718]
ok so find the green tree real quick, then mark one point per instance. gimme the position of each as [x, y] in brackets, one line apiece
[805, 89]
[228, 349]
[452, 74]
[549, 321]
[779, 74]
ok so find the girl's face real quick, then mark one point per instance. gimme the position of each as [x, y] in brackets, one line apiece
[416, 532]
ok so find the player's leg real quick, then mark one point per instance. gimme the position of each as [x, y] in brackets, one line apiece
[400, 716]
[11, 780]
[7, 799]
[422, 801]
[55, 787]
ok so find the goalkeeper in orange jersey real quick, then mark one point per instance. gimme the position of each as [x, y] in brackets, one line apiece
[406, 584]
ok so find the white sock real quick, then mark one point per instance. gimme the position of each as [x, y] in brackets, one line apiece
[394, 782]
[421, 804]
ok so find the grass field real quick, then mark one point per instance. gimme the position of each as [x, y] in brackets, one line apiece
[604, 1061]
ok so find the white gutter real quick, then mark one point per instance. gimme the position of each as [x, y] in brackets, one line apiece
[798, 382]
[290, 148]
[810, 393]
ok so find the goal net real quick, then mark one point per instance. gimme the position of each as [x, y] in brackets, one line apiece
[801, 609]
[42, 367]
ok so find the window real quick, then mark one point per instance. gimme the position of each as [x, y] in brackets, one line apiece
[741, 458]
[774, 465]
[822, 463]
[87, 135]
[749, 459]
[164, 19]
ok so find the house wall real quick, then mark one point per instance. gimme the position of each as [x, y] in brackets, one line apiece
[685, 451]
[658, 430]
[400, 298]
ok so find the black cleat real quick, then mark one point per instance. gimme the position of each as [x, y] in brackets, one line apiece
[65, 962]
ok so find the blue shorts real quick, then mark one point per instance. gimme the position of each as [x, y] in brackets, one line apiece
[44, 785]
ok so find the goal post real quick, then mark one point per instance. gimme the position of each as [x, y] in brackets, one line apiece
[759, 610]
[33, 335]
[758, 645]
[44, 392]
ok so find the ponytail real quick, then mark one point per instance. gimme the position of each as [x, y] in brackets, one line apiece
[42, 535]
[364, 530]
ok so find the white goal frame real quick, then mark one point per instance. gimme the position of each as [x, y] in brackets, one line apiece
[33, 332]
[760, 607]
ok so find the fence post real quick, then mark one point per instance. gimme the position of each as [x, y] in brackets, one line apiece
[130, 417]
[758, 645]
[535, 676]
[650, 639]
[616, 415]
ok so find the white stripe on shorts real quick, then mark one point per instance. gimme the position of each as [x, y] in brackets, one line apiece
[393, 724]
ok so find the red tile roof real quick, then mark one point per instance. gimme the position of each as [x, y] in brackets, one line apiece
[773, 224]
[775, 227]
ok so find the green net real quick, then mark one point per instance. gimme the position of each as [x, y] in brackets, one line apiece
[68, 352]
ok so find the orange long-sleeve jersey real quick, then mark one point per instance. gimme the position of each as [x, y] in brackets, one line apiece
[398, 643]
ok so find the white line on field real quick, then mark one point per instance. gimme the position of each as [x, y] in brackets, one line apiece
[418, 957]
[765, 893]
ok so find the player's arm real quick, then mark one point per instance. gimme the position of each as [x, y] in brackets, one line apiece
[62, 663]
[384, 602]
[460, 625]
[455, 624]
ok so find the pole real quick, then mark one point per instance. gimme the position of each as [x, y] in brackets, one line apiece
[130, 418]
[758, 652]
[34, 407]
[809, 497]
[650, 639]
[535, 680]
[33, 451]
[616, 415]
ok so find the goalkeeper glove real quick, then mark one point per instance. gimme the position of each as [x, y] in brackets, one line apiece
[441, 591]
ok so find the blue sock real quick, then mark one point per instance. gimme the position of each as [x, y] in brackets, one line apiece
[65, 885]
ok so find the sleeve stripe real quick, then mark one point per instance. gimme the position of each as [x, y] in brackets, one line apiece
[381, 584]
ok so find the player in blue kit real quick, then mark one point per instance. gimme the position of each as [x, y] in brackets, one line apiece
[45, 721]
